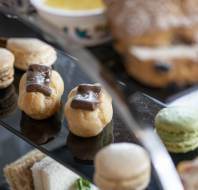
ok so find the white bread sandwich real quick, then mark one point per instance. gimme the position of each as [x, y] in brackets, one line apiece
[50, 175]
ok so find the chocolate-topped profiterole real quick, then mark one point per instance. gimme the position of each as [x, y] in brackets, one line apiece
[38, 79]
[87, 97]
[88, 110]
[40, 91]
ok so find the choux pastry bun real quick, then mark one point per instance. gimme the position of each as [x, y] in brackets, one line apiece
[40, 92]
[88, 110]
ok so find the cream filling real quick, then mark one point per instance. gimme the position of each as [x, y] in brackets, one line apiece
[135, 181]
[165, 53]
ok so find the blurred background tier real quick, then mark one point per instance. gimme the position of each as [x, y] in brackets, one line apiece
[156, 31]
[146, 53]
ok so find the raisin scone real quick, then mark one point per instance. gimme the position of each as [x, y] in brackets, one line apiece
[141, 22]
[157, 39]
[162, 66]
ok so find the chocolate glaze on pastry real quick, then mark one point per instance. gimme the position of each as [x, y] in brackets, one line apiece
[87, 97]
[38, 79]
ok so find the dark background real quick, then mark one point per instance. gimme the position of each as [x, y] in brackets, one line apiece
[20, 30]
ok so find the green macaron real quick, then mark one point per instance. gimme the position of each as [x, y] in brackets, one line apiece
[178, 128]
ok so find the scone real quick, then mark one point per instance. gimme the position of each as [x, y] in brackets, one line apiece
[163, 66]
[29, 51]
[148, 23]
[40, 92]
[165, 34]
[122, 166]
[6, 68]
[88, 110]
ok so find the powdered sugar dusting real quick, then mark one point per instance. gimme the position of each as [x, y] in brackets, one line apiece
[165, 53]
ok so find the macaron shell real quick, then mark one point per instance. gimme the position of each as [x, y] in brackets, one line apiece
[177, 119]
[136, 183]
[28, 45]
[111, 161]
[6, 59]
[30, 51]
[182, 147]
[6, 77]
[6, 68]
[177, 137]
[23, 61]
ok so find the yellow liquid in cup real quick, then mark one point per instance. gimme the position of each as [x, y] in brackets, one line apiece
[75, 4]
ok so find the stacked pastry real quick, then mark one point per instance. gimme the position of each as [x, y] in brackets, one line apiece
[6, 68]
[8, 95]
[157, 38]
[122, 166]
[177, 128]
